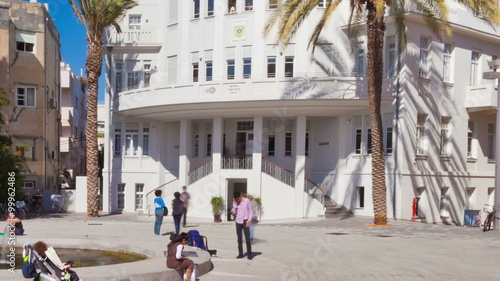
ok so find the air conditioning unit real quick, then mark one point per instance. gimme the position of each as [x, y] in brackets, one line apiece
[52, 103]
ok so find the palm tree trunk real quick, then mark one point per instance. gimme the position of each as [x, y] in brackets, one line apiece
[94, 67]
[376, 31]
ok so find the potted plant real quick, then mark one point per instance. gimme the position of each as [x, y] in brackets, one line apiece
[217, 207]
[257, 207]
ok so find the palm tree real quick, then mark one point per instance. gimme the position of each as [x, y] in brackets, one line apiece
[291, 14]
[97, 16]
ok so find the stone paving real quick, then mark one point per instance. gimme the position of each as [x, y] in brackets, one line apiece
[293, 250]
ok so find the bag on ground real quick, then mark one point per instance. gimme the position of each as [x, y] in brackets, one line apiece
[199, 241]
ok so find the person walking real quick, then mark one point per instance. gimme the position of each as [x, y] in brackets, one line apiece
[185, 198]
[242, 210]
[177, 210]
[176, 260]
[159, 204]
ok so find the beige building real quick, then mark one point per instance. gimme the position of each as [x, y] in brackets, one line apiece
[73, 124]
[30, 74]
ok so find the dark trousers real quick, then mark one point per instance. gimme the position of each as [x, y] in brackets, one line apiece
[177, 223]
[243, 228]
[184, 214]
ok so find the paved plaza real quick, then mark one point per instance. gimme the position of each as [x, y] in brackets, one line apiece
[314, 249]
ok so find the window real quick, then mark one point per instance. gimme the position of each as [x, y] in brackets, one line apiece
[120, 196]
[147, 74]
[172, 12]
[196, 9]
[145, 141]
[288, 144]
[25, 41]
[209, 70]
[25, 96]
[139, 196]
[388, 140]
[358, 134]
[247, 68]
[134, 22]
[491, 141]
[271, 67]
[131, 139]
[118, 140]
[230, 69]
[307, 144]
[447, 68]
[358, 137]
[209, 145]
[420, 134]
[244, 126]
[445, 135]
[271, 145]
[248, 5]
[132, 80]
[231, 6]
[195, 71]
[196, 148]
[360, 197]
[360, 59]
[289, 67]
[210, 8]
[118, 76]
[29, 185]
[324, 3]
[26, 150]
[423, 70]
[470, 139]
[369, 141]
[391, 59]
[172, 70]
[474, 68]
[273, 4]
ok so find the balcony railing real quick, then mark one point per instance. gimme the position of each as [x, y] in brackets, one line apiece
[167, 190]
[314, 190]
[237, 162]
[200, 171]
[134, 36]
[278, 172]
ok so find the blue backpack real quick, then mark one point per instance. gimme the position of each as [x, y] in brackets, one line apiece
[197, 240]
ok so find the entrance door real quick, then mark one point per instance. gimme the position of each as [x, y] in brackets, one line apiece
[241, 143]
[234, 185]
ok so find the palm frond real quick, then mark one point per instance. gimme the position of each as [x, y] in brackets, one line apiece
[332, 6]
[487, 10]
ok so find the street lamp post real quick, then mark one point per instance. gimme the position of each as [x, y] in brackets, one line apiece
[494, 65]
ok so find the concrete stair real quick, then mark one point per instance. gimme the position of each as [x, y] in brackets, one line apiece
[334, 210]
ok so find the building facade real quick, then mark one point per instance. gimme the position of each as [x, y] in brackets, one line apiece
[29, 63]
[73, 125]
[200, 98]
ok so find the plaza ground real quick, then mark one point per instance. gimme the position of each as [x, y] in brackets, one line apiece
[315, 249]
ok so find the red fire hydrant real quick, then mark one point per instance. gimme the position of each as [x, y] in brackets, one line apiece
[414, 208]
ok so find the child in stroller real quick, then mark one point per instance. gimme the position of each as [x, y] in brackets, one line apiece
[48, 262]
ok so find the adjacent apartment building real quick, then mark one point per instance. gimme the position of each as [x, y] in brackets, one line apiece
[29, 67]
[198, 97]
[73, 125]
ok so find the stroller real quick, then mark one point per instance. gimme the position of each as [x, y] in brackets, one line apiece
[51, 267]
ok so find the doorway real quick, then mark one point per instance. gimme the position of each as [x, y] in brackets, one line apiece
[234, 185]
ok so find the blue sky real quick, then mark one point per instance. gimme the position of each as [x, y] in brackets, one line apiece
[72, 33]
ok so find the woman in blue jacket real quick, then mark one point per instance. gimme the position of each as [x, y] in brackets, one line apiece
[159, 204]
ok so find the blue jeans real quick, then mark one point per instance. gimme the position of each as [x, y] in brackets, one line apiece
[158, 221]
[177, 222]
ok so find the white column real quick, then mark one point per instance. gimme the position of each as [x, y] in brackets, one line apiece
[300, 164]
[255, 188]
[497, 158]
[183, 152]
[217, 146]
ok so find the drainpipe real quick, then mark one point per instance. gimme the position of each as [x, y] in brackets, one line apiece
[396, 131]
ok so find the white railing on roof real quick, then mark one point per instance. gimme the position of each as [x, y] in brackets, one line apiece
[237, 162]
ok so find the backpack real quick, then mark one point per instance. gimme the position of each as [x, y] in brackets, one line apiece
[28, 267]
[199, 241]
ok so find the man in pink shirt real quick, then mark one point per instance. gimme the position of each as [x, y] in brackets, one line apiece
[242, 210]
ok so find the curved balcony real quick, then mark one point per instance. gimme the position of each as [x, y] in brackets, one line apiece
[302, 93]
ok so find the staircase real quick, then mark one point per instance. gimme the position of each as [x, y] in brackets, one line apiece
[334, 210]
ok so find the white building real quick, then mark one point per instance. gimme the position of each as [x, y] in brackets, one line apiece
[73, 124]
[198, 97]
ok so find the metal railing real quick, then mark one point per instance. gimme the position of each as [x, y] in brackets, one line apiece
[200, 171]
[278, 172]
[237, 162]
[314, 190]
